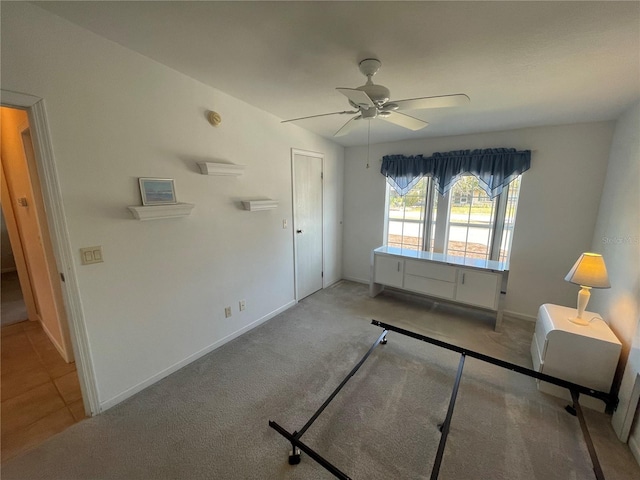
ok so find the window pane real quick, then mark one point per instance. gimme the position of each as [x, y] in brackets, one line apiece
[406, 217]
[471, 218]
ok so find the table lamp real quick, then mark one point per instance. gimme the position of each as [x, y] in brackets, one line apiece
[589, 272]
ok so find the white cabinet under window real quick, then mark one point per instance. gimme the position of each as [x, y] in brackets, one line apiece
[429, 278]
[389, 270]
[467, 281]
[478, 288]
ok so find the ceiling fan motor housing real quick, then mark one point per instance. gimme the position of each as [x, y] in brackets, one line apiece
[379, 94]
[369, 66]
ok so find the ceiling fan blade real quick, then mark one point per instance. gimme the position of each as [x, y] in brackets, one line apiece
[357, 96]
[432, 102]
[321, 115]
[347, 127]
[404, 120]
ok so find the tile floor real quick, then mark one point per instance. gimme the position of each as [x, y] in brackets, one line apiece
[40, 391]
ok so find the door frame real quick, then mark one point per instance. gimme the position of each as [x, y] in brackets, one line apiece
[59, 232]
[306, 153]
[624, 416]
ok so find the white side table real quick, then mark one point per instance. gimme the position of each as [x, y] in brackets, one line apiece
[586, 355]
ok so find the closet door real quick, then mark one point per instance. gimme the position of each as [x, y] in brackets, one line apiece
[307, 220]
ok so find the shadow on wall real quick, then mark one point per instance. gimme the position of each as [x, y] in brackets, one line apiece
[624, 314]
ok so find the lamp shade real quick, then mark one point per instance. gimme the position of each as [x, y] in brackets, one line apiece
[589, 271]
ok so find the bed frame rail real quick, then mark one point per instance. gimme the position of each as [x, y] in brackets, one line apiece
[575, 389]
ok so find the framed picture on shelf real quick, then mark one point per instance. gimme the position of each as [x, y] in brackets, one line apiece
[157, 191]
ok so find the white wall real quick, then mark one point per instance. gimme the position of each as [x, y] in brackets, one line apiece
[7, 261]
[556, 216]
[617, 237]
[158, 299]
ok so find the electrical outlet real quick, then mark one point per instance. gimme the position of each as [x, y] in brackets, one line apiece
[284, 223]
[227, 312]
[243, 305]
[90, 255]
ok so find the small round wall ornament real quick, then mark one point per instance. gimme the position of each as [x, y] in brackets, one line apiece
[214, 118]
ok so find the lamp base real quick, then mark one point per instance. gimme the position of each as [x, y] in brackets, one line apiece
[583, 300]
[579, 321]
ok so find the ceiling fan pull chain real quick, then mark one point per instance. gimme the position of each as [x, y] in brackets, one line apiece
[368, 141]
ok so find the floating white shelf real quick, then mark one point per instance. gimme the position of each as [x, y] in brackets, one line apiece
[255, 205]
[154, 212]
[226, 169]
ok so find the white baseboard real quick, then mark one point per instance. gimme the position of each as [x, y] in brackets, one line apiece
[332, 284]
[516, 315]
[191, 358]
[635, 449]
[357, 280]
[519, 316]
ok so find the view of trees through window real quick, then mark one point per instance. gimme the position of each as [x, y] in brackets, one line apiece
[465, 222]
[407, 217]
[471, 219]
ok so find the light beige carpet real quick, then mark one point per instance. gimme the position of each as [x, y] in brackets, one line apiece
[210, 419]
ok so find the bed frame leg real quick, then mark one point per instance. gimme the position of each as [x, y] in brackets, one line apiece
[384, 340]
[294, 456]
[571, 409]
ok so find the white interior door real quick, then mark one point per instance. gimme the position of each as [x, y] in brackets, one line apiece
[307, 222]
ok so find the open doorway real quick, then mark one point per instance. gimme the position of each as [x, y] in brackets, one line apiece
[13, 308]
[40, 391]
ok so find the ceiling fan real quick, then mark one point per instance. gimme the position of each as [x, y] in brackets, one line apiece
[372, 101]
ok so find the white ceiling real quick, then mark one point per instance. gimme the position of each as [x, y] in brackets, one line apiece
[521, 63]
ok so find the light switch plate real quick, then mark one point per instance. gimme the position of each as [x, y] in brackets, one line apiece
[89, 255]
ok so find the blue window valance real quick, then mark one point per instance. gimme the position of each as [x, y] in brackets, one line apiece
[493, 167]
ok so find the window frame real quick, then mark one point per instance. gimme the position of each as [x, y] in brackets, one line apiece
[442, 221]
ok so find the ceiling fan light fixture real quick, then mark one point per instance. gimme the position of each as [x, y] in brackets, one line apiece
[369, 113]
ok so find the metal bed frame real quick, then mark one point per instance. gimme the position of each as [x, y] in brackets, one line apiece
[297, 445]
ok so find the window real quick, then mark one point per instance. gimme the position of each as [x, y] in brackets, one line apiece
[465, 222]
[406, 217]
